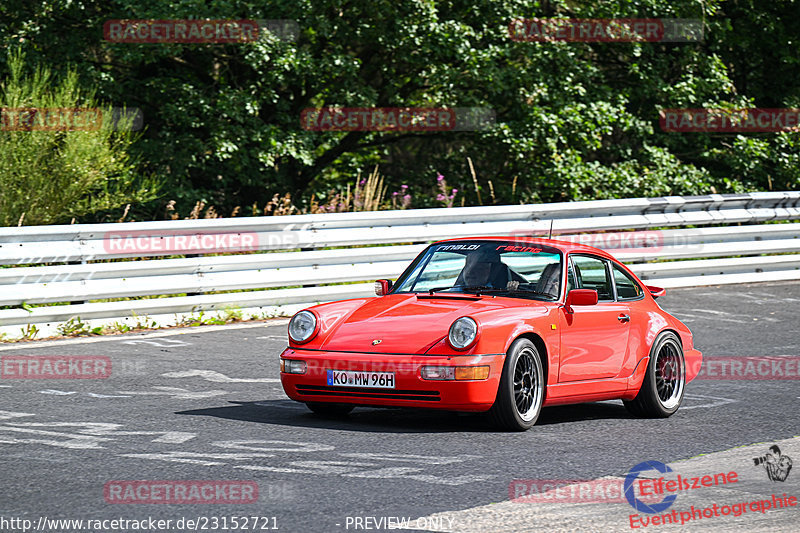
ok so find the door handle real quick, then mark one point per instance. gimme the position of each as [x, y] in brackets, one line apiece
[624, 318]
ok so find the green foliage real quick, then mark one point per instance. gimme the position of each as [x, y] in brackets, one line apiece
[231, 314]
[49, 177]
[29, 332]
[73, 326]
[573, 120]
[119, 327]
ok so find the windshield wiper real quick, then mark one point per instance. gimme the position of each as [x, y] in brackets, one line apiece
[463, 289]
[478, 289]
[439, 289]
[485, 289]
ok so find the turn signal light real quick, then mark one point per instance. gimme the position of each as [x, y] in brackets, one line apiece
[472, 372]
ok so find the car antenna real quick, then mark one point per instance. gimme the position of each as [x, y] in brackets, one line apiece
[550, 235]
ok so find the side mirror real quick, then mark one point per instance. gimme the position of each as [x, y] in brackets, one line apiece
[656, 291]
[383, 286]
[580, 297]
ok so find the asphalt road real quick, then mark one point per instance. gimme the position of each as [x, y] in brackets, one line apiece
[206, 404]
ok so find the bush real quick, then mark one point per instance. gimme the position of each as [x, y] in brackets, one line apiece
[52, 176]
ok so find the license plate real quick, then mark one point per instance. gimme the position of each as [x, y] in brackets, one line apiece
[352, 378]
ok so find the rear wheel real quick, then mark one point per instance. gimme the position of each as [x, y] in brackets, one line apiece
[662, 389]
[521, 391]
[330, 409]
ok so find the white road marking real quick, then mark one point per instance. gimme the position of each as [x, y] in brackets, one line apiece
[163, 343]
[272, 337]
[313, 467]
[752, 296]
[270, 446]
[176, 393]
[252, 449]
[170, 437]
[217, 377]
[73, 442]
[86, 435]
[711, 401]
[756, 296]
[8, 415]
[155, 335]
[276, 469]
[354, 465]
[405, 472]
[55, 392]
[714, 401]
[194, 458]
[409, 458]
[715, 318]
[113, 430]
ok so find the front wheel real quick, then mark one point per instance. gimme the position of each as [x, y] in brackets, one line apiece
[521, 391]
[662, 388]
[330, 409]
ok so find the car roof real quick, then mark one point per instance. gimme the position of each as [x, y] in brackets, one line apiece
[564, 246]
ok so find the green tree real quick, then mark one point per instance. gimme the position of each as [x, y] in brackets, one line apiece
[574, 120]
[49, 176]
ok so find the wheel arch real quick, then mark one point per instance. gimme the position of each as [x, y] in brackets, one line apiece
[668, 329]
[541, 347]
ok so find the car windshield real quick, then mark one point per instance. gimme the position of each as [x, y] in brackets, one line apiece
[506, 268]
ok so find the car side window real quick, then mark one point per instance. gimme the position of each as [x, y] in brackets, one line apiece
[592, 273]
[627, 288]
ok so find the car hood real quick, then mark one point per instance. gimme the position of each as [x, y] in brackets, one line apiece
[403, 323]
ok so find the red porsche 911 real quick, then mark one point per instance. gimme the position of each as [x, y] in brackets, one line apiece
[498, 325]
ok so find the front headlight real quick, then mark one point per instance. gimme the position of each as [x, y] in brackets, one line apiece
[462, 333]
[302, 326]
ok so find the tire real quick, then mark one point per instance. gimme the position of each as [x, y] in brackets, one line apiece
[662, 389]
[520, 394]
[330, 409]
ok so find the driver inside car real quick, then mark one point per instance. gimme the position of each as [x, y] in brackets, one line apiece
[483, 268]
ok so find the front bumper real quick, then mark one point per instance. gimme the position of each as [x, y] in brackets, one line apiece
[410, 389]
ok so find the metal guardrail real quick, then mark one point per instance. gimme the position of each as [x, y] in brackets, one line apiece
[88, 266]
